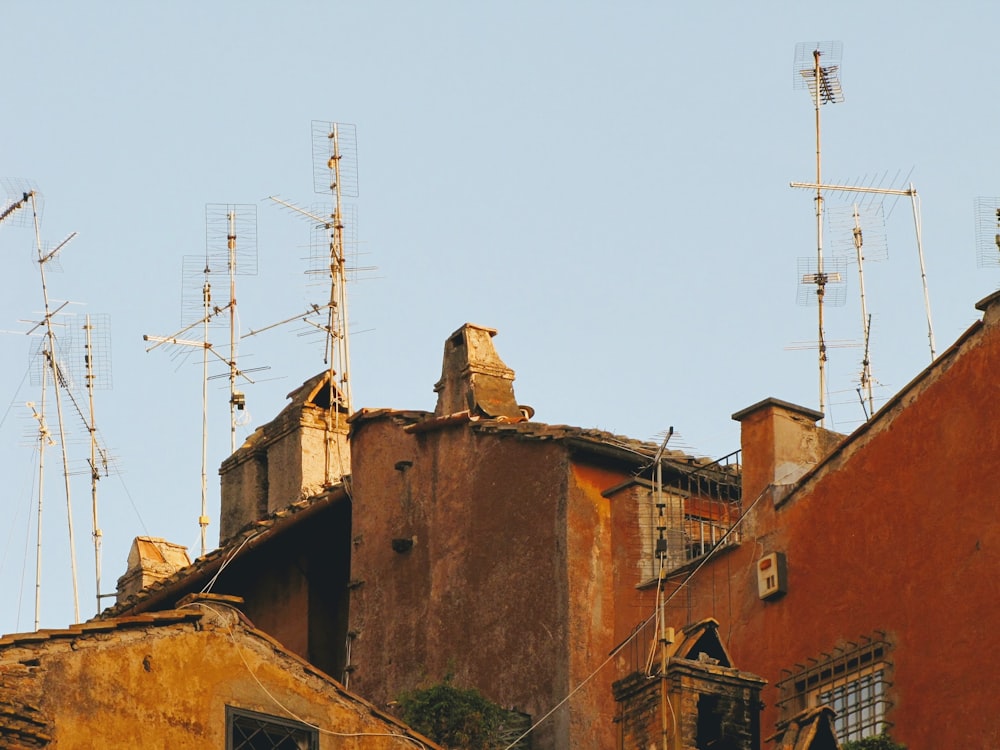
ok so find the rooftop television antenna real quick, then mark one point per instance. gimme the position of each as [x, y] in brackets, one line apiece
[84, 358]
[820, 77]
[987, 232]
[817, 69]
[230, 245]
[335, 173]
[911, 192]
[19, 194]
[97, 361]
[861, 232]
[51, 353]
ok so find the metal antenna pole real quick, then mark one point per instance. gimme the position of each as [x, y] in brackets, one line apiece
[95, 474]
[820, 276]
[223, 224]
[58, 383]
[44, 439]
[231, 245]
[337, 329]
[918, 228]
[911, 191]
[203, 518]
[866, 372]
[334, 173]
[824, 88]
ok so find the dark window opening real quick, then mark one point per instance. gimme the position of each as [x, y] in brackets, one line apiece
[709, 722]
[249, 730]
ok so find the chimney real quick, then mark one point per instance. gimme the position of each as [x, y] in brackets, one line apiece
[990, 308]
[293, 457]
[150, 559]
[474, 378]
[780, 442]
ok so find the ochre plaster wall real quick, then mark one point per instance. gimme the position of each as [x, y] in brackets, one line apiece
[168, 687]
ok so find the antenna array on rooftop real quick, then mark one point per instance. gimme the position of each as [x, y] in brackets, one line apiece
[817, 69]
[987, 232]
[230, 251]
[335, 173]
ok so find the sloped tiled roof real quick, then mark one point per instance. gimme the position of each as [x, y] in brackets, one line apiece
[638, 451]
[620, 447]
[24, 723]
[247, 537]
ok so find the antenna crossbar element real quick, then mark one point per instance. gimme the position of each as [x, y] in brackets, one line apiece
[987, 232]
[823, 83]
[911, 192]
[20, 194]
[335, 158]
[855, 188]
[822, 278]
[831, 280]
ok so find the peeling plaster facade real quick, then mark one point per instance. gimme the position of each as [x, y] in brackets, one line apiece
[471, 541]
[516, 556]
[169, 680]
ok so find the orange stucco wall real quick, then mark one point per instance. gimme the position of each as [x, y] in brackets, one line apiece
[896, 532]
[508, 586]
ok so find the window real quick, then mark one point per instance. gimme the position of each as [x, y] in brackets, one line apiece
[249, 730]
[680, 528]
[853, 680]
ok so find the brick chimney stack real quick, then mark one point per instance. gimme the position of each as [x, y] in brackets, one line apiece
[780, 442]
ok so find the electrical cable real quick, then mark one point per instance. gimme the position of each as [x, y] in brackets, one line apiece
[17, 392]
[618, 649]
[225, 563]
[232, 635]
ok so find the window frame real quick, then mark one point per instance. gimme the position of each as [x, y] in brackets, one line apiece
[234, 715]
[860, 672]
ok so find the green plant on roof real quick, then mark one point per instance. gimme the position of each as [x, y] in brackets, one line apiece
[879, 742]
[454, 717]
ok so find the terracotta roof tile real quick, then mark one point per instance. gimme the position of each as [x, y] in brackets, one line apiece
[169, 617]
[208, 562]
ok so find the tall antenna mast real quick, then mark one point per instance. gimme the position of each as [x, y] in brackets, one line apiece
[824, 86]
[44, 440]
[334, 173]
[866, 320]
[58, 381]
[858, 232]
[223, 222]
[98, 375]
[331, 140]
[231, 240]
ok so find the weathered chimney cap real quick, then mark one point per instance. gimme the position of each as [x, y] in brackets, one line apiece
[989, 307]
[805, 411]
[474, 378]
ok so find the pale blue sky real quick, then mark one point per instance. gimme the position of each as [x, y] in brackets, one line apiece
[605, 184]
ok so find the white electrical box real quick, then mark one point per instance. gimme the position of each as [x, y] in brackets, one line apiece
[772, 575]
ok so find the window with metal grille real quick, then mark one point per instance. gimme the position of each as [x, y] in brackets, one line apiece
[853, 680]
[249, 730]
